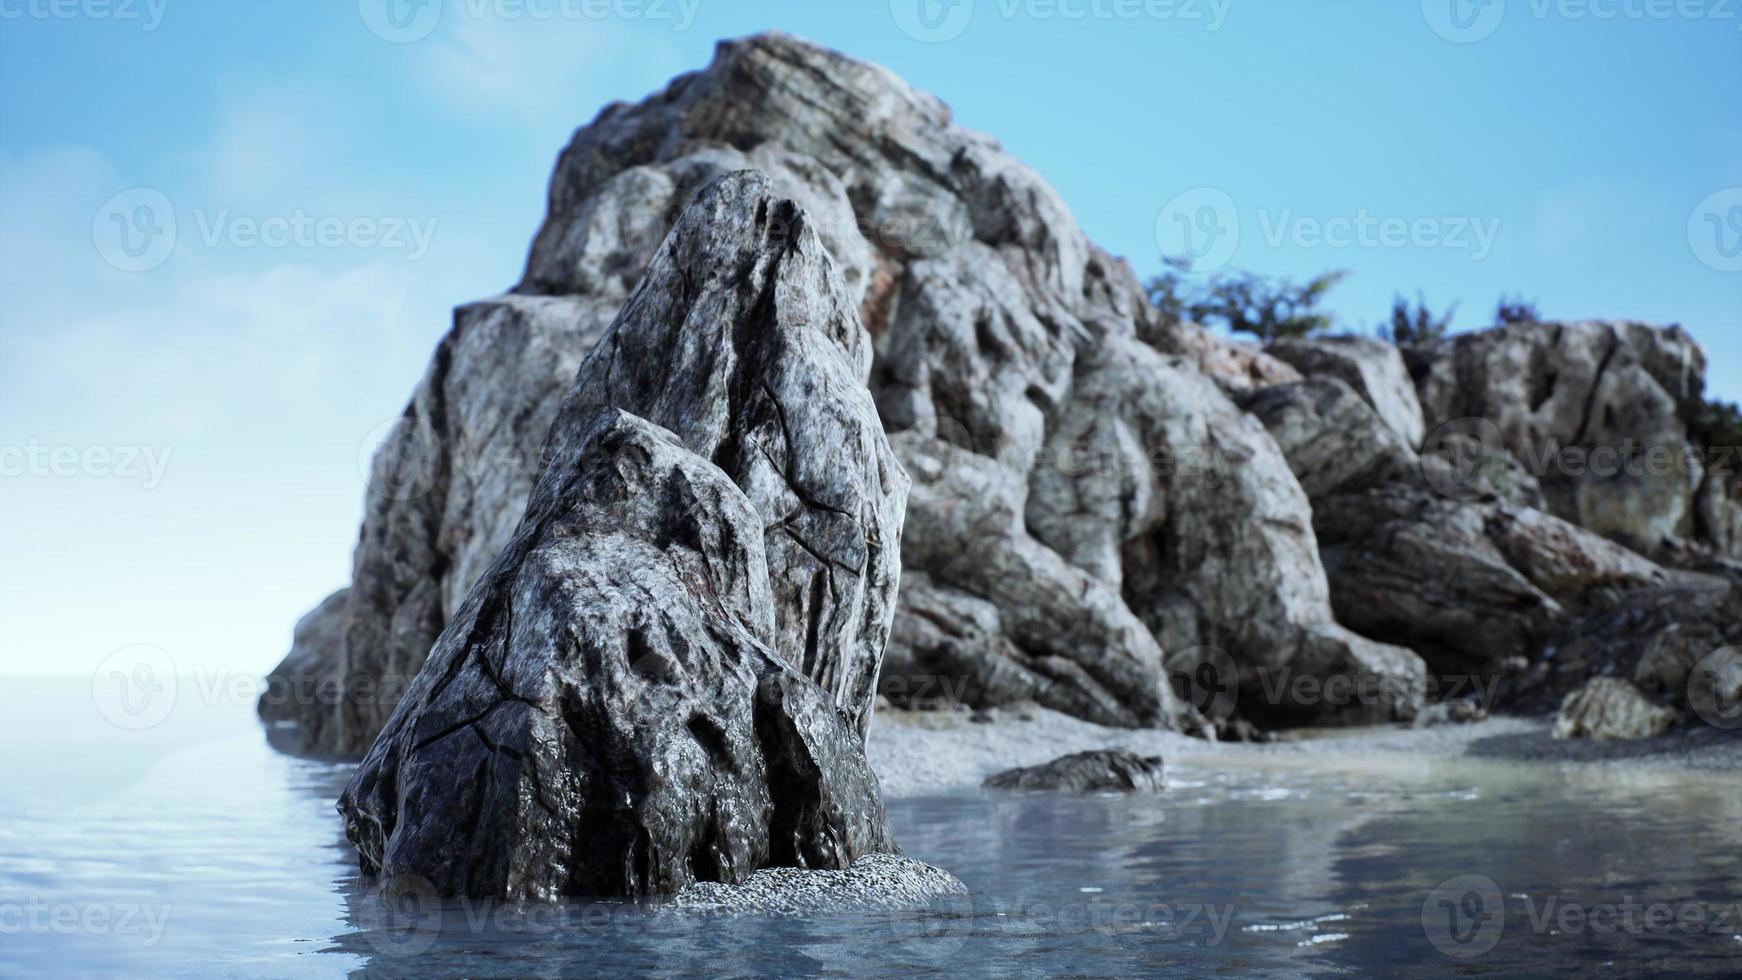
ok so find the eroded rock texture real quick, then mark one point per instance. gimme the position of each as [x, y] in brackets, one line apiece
[666, 675]
[1372, 368]
[1610, 393]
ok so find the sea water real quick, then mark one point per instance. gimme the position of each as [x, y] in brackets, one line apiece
[193, 848]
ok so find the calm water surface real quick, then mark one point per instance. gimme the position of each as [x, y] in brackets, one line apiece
[194, 849]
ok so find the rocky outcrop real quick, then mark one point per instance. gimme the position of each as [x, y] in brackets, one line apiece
[1655, 637]
[1334, 441]
[1476, 588]
[306, 684]
[1098, 490]
[666, 675]
[1611, 708]
[1106, 770]
[1592, 409]
[1088, 496]
[1373, 368]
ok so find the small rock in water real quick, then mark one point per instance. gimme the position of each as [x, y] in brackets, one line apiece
[1462, 711]
[1087, 772]
[1609, 707]
[874, 882]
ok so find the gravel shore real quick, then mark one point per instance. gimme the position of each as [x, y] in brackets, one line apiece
[925, 753]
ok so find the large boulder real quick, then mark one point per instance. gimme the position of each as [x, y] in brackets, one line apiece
[1335, 442]
[1477, 588]
[667, 674]
[1373, 368]
[1611, 708]
[1594, 410]
[1100, 771]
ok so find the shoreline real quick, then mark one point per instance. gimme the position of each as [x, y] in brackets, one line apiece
[925, 753]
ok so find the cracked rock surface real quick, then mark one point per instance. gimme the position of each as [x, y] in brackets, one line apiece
[666, 675]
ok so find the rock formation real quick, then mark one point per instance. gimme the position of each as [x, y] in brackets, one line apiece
[305, 685]
[1108, 770]
[1609, 707]
[666, 675]
[1102, 497]
[1372, 368]
[1592, 409]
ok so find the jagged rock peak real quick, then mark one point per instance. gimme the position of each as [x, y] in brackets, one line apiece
[666, 675]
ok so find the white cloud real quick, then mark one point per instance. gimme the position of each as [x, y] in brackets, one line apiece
[538, 73]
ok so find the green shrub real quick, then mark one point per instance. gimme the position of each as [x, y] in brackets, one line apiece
[1246, 302]
[1516, 310]
[1415, 324]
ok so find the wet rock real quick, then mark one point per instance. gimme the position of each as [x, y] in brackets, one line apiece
[666, 675]
[1372, 368]
[875, 882]
[1611, 708]
[1087, 772]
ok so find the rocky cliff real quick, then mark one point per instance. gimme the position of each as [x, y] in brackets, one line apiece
[1101, 498]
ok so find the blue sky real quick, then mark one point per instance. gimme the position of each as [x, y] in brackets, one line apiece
[335, 192]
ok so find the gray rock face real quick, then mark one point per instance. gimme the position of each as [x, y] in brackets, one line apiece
[875, 882]
[1106, 770]
[307, 682]
[666, 675]
[446, 491]
[1334, 441]
[1609, 392]
[1471, 586]
[1609, 707]
[1373, 368]
[1656, 637]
